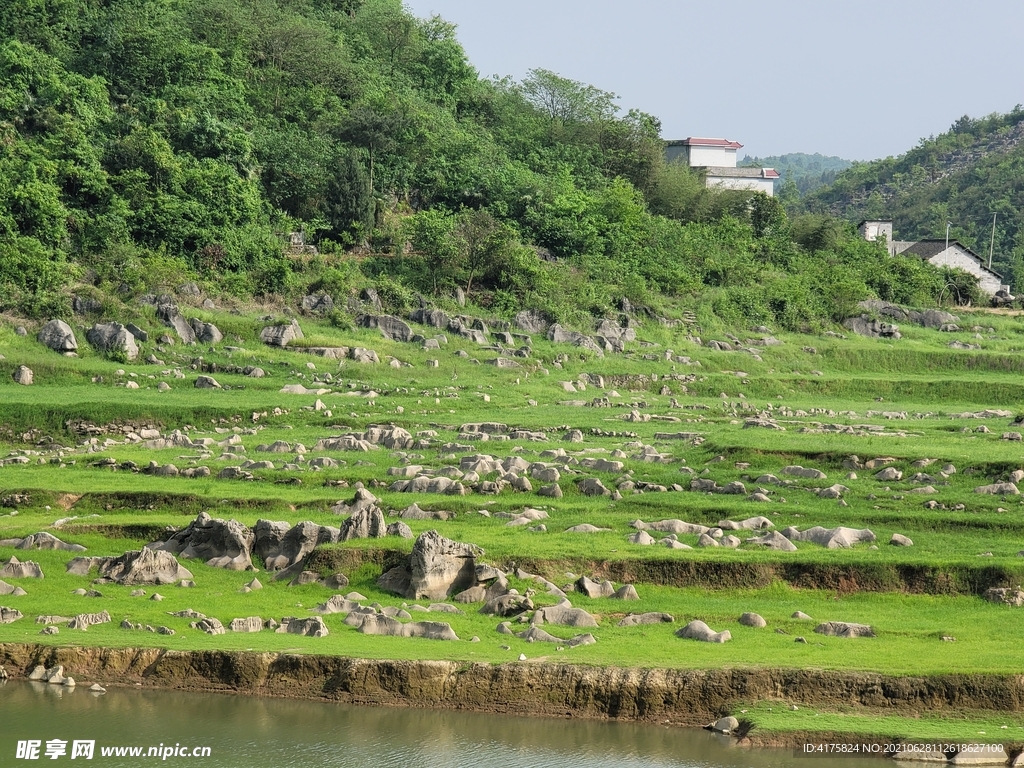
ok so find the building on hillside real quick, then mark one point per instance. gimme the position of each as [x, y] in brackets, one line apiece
[716, 159]
[939, 252]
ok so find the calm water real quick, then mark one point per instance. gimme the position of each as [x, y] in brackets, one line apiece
[242, 731]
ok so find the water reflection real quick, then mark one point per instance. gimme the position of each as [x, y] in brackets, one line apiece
[275, 732]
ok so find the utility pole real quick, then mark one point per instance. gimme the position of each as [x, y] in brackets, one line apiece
[992, 244]
[948, 225]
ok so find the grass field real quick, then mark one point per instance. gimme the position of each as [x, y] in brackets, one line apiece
[836, 398]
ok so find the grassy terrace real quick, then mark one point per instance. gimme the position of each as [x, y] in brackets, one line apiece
[913, 597]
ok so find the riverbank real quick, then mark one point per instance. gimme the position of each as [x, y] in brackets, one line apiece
[678, 697]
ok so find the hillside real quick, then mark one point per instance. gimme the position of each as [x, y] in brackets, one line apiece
[962, 176]
[807, 172]
[150, 145]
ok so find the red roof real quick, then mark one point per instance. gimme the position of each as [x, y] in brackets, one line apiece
[693, 141]
[770, 173]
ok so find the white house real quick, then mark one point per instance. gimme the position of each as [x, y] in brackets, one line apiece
[938, 252]
[716, 158]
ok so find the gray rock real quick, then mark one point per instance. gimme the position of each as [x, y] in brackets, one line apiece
[134, 568]
[844, 629]
[58, 336]
[365, 523]
[113, 338]
[206, 382]
[280, 547]
[698, 630]
[390, 327]
[9, 615]
[23, 375]
[318, 305]
[592, 486]
[16, 569]
[219, 543]
[635, 620]
[281, 335]
[531, 321]
[775, 541]
[206, 333]
[210, 626]
[248, 624]
[41, 540]
[594, 589]
[172, 318]
[725, 725]
[998, 489]
[831, 538]
[565, 615]
[899, 540]
[752, 620]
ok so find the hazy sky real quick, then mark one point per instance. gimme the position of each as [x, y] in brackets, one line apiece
[859, 78]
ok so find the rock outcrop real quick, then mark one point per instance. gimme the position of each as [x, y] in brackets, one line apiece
[219, 543]
[438, 567]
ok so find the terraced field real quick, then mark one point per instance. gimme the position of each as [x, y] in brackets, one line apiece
[859, 481]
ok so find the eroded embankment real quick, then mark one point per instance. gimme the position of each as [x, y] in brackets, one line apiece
[949, 579]
[684, 697]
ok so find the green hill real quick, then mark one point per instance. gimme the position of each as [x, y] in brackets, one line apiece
[963, 176]
[807, 172]
[148, 144]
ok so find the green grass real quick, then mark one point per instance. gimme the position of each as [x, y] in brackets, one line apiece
[913, 597]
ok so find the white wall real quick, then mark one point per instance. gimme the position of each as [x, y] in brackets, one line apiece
[954, 257]
[732, 182]
[716, 157]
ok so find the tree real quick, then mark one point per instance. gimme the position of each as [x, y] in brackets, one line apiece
[567, 101]
[482, 239]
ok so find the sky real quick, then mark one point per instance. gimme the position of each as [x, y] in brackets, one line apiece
[860, 79]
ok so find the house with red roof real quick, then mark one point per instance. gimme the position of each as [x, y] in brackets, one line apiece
[716, 160]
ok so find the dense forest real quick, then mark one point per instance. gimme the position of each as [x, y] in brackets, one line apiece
[144, 143]
[799, 172]
[965, 176]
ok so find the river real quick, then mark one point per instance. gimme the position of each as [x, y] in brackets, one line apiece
[280, 733]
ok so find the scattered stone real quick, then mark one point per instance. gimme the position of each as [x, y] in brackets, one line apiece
[752, 620]
[698, 630]
[844, 629]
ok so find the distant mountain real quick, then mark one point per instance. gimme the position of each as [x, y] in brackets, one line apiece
[962, 176]
[808, 172]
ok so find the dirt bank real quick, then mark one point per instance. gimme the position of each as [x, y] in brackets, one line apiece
[683, 697]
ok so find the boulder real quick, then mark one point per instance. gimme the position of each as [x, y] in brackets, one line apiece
[752, 620]
[11, 590]
[844, 629]
[311, 627]
[9, 615]
[798, 471]
[594, 589]
[136, 567]
[888, 475]
[831, 538]
[281, 335]
[531, 321]
[318, 305]
[379, 624]
[58, 336]
[210, 626]
[206, 382]
[113, 338]
[586, 528]
[435, 318]
[698, 630]
[504, 605]
[287, 550]
[41, 540]
[219, 543]
[85, 620]
[16, 569]
[625, 592]
[389, 326]
[365, 523]
[206, 333]
[23, 375]
[998, 489]
[565, 615]
[172, 318]
[899, 540]
[248, 624]
[440, 567]
[592, 486]
[775, 541]
[635, 619]
[725, 725]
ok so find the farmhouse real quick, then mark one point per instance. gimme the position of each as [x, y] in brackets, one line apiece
[938, 252]
[716, 159]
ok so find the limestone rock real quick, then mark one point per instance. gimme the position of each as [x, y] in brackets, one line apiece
[248, 624]
[594, 589]
[16, 569]
[565, 615]
[41, 540]
[9, 615]
[58, 336]
[389, 326]
[206, 333]
[998, 489]
[752, 620]
[279, 547]
[899, 540]
[635, 620]
[725, 725]
[113, 338]
[23, 375]
[365, 523]
[219, 543]
[206, 382]
[831, 538]
[210, 626]
[440, 567]
[698, 630]
[136, 567]
[775, 541]
[281, 335]
[844, 629]
[592, 486]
